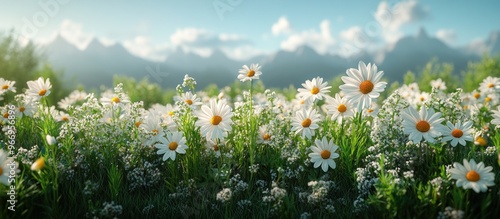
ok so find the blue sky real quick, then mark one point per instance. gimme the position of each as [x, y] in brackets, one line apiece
[243, 28]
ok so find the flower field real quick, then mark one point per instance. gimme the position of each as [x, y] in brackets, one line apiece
[351, 154]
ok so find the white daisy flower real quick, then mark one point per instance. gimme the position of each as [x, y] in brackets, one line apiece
[305, 122]
[171, 145]
[38, 164]
[496, 116]
[6, 165]
[424, 124]
[438, 84]
[213, 146]
[490, 85]
[5, 114]
[26, 108]
[152, 126]
[114, 99]
[477, 96]
[480, 139]
[248, 74]
[214, 120]
[458, 133]
[363, 84]
[6, 85]
[300, 102]
[473, 176]
[77, 95]
[314, 89]
[65, 103]
[61, 117]
[189, 98]
[340, 108]
[323, 154]
[372, 110]
[39, 88]
[71, 99]
[420, 98]
[264, 135]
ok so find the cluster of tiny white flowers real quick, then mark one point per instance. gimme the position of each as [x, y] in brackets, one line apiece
[490, 151]
[451, 213]
[224, 195]
[253, 168]
[147, 175]
[437, 183]
[111, 210]
[244, 204]
[274, 196]
[90, 188]
[27, 157]
[319, 192]
[237, 184]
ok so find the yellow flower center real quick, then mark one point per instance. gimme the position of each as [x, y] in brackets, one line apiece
[173, 145]
[137, 124]
[115, 100]
[342, 108]
[216, 148]
[216, 120]
[325, 154]
[306, 123]
[457, 133]
[472, 176]
[302, 101]
[5, 87]
[490, 85]
[42, 92]
[155, 131]
[477, 95]
[314, 90]
[6, 115]
[423, 126]
[481, 141]
[251, 73]
[38, 164]
[487, 99]
[370, 110]
[422, 98]
[22, 109]
[266, 137]
[366, 87]
[171, 113]
[189, 102]
[64, 118]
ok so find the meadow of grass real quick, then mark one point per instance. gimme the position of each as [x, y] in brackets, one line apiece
[364, 151]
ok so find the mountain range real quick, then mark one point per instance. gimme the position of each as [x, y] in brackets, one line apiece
[96, 64]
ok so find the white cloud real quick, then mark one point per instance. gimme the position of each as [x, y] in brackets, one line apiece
[392, 18]
[243, 52]
[321, 41]
[107, 41]
[143, 47]
[353, 40]
[203, 42]
[74, 34]
[188, 36]
[224, 37]
[447, 35]
[356, 36]
[282, 26]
